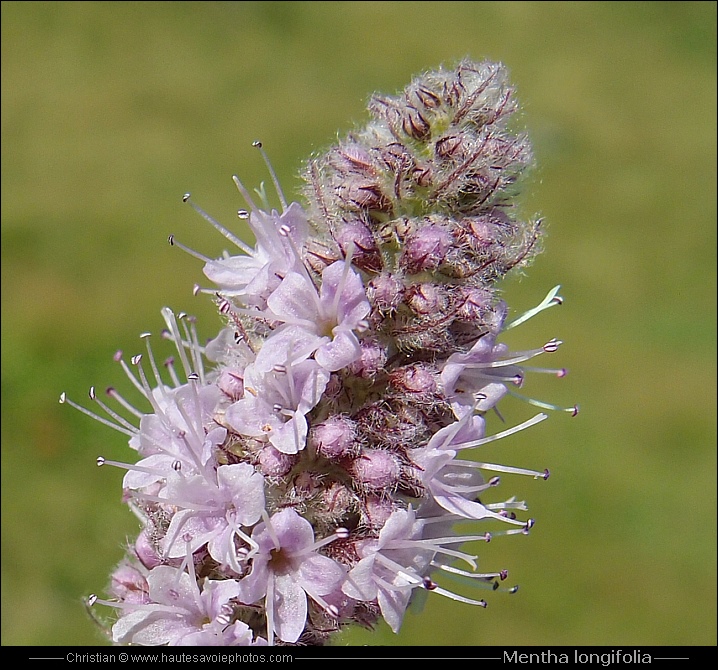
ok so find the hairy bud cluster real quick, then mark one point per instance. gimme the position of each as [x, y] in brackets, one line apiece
[424, 194]
[302, 471]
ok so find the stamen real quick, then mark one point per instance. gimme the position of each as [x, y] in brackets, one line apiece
[471, 575]
[517, 357]
[171, 322]
[549, 301]
[216, 224]
[147, 391]
[113, 393]
[504, 468]
[129, 373]
[511, 503]
[505, 433]
[101, 460]
[258, 145]
[559, 372]
[174, 243]
[194, 346]
[573, 411]
[169, 364]
[120, 420]
[64, 399]
[269, 607]
[339, 534]
[552, 345]
[343, 280]
[244, 192]
[153, 364]
[270, 529]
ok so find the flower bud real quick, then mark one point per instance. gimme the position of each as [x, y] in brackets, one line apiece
[376, 511]
[426, 299]
[274, 463]
[417, 378]
[376, 469]
[334, 438]
[231, 383]
[474, 303]
[385, 292]
[351, 159]
[146, 551]
[357, 236]
[372, 361]
[128, 584]
[426, 248]
[363, 195]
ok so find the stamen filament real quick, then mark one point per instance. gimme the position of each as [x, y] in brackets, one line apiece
[217, 225]
[505, 433]
[258, 145]
[174, 243]
[64, 399]
[549, 301]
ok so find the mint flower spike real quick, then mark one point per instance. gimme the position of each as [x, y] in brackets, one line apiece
[301, 472]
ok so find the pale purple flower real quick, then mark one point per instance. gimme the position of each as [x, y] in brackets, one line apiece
[399, 561]
[454, 484]
[182, 434]
[276, 402]
[180, 613]
[212, 509]
[251, 278]
[333, 313]
[468, 379]
[285, 570]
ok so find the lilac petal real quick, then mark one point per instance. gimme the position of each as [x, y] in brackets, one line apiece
[254, 586]
[245, 487]
[393, 604]
[319, 575]
[149, 628]
[187, 522]
[266, 225]
[290, 437]
[247, 416]
[310, 380]
[343, 350]
[214, 438]
[134, 479]
[222, 548]
[216, 593]
[168, 586]
[296, 298]
[235, 272]
[467, 429]
[360, 583]
[290, 344]
[290, 608]
[294, 531]
[398, 526]
[352, 306]
[469, 509]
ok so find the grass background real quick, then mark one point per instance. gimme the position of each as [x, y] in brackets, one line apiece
[111, 111]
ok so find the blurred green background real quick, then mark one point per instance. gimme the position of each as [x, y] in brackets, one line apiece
[111, 111]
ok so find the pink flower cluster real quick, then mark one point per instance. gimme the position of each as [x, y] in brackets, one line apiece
[302, 471]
